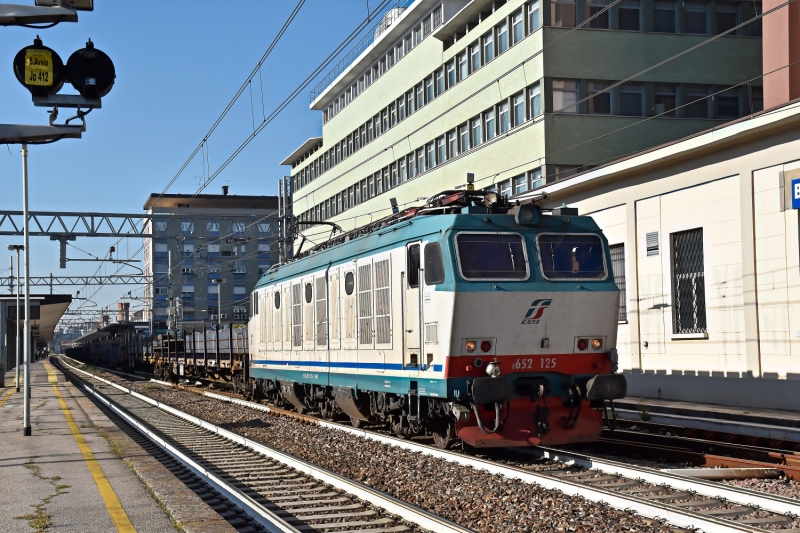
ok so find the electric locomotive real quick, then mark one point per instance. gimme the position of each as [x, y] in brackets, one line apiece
[468, 319]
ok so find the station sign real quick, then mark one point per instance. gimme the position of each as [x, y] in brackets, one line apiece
[796, 193]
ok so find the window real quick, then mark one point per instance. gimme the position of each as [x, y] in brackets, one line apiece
[728, 104]
[535, 101]
[187, 226]
[421, 160]
[401, 111]
[562, 14]
[504, 188]
[451, 74]
[238, 227]
[694, 17]
[349, 283]
[503, 118]
[533, 16]
[463, 138]
[476, 132]
[502, 37]
[412, 166]
[520, 184]
[420, 95]
[160, 247]
[401, 170]
[475, 57]
[488, 47]
[565, 96]
[618, 269]
[212, 225]
[440, 151]
[756, 99]
[434, 265]
[411, 102]
[630, 15]
[518, 103]
[537, 180]
[593, 7]
[412, 265]
[489, 124]
[571, 256]
[664, 16]
[697, 101]
[631, 100]
[665, 100]
[430, 156]
[452, 148]
[600, 102]
[439, 82]
[429, 89]
[517, 29]
[212, 248]
[484, 256]
[392, 115]
[688, 282]
[461, 61]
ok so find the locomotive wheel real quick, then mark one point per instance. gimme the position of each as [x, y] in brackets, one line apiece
[398, 430]
[444, 436]
[355, 422]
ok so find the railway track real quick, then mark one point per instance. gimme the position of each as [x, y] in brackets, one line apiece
[281, 493]
[684, 502]
[699, 452]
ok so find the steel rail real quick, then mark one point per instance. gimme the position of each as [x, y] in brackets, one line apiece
[651, 509]
[641, 505]
[263, 516]
[392, 505]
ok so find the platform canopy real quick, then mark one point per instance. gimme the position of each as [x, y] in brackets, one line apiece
[46, 311]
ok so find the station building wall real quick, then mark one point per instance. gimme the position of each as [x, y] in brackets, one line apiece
[730, 184]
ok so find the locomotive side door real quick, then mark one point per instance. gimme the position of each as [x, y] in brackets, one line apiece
[411, 308]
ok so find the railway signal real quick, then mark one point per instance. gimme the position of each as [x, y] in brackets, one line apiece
[91, 71]
[39, 69]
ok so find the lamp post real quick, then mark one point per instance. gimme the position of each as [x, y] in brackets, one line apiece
[26, 417]
[17, 248]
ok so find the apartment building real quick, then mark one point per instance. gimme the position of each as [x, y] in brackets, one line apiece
[205, 245]
[515, 94]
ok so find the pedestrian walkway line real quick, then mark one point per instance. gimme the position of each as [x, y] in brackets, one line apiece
[113, 505]
[4, 400]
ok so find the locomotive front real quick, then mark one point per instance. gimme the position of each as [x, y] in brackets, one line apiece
[532, 351]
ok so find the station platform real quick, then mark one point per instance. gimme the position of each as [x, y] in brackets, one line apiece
[731, 419]
[79, 472]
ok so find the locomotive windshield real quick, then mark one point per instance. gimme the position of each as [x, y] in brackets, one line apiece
[571, 256]
[493, 256]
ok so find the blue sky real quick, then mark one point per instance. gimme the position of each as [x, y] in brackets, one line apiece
[178, 64]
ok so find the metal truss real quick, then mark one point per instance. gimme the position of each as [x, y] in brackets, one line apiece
[49, 281]
[44, 224]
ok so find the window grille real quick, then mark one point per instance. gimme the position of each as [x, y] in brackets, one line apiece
[365, 304]
[297, 315]
[618, 267]
[322, 312]
[383, 303]
[652, 243]
[688, 282]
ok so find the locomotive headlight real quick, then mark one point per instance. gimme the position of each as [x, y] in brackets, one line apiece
[493, 369]
[470, 346]
[597, 344]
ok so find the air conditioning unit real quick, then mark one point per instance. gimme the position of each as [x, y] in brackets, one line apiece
[212, 317]
[223, 316]
[187, 271]
[240, 271]
[237, 317]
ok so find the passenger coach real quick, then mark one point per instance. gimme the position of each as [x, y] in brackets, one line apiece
[467, 318]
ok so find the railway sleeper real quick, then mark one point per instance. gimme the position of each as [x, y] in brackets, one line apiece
[734, 511]
[704, 503]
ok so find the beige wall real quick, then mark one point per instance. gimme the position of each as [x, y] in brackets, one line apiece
[731, 189]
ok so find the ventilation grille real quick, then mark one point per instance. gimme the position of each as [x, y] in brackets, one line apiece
[432, 333]
[383, 303]
[652, 243]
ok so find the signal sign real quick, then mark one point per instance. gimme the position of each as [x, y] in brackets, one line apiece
[39, 69]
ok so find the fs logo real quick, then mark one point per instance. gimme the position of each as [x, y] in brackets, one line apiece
[536, 311]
